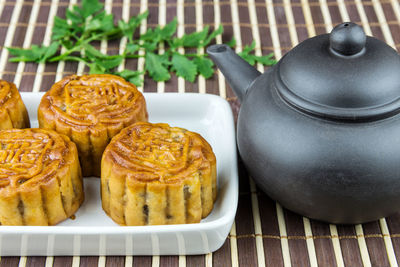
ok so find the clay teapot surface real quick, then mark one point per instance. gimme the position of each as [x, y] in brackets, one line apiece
[320, 131]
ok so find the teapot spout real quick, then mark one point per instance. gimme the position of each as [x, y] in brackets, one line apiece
[238, 72]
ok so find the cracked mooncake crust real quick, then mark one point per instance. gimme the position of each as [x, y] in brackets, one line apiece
[155, 174]
[91, 109]
[40, 177]
[13, 112]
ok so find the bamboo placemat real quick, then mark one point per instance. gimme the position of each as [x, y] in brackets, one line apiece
[263, 234]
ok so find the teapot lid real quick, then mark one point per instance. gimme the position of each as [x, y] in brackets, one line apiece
[343, 75]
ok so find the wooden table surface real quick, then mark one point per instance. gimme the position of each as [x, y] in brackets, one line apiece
[263, 234]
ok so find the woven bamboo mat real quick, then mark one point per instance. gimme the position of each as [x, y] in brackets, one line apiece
[263, 234]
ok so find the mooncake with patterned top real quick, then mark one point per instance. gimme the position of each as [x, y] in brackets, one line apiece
[154, 174]
[91, 109]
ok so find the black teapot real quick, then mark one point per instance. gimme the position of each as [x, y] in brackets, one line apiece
[320, 131]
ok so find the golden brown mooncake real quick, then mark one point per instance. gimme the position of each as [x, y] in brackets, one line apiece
[155, 174]
[40, 177]
[13, 113]
[91, 109]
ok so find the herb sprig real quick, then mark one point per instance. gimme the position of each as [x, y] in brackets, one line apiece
[88, 23]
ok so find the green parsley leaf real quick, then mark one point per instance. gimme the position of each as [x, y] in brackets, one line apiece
[129, 28]
[92, 53]
[204, 66]
[247, 55]
[90, 7]
[184, 67]
[131, 76]
[50, 51]
[168, 30]
[61, 29]
[156, 69]
[214, 34]
[21, 54]
[132, 48]
[110, 62]
[232, 42]
[95, 68]
[267, 60]
[74, 17]
[195, 39]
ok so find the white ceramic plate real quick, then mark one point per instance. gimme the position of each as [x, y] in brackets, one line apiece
[94, 233]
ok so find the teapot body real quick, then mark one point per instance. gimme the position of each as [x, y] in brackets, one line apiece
[340, 172]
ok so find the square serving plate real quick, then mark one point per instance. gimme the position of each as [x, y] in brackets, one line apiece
[92, 232]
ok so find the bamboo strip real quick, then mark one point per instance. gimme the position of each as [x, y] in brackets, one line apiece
[257, 227]
[234, 250]
[50, 247]
[181, 31]
[209, 260]
[46, 41]
[326, 15]
[363, 246]
[343, 11]
[155, 261]
[308, 18]
[310, 243]
[363, 17]
[182, 261]
[235, 25]
[274, 29]
[291, 23]
[61, 64]
[124, 40]
[10, 34]
[76, 261]
[284, 242]
[336, 245]
[27, 40]
[199, 27]
[162, 20]
[396, 9]
[49, 261]
[388, 243]
[383, 24]
[143, 28]
[128, 261]
[22, 261]
[102, 261]
[108, 9]
[217, 22]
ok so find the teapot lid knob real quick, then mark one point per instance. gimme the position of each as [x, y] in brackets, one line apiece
[347, 39]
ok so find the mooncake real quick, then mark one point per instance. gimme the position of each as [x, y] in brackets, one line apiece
[40, 177]
[91, 109]
[13, 113]
[153, 174]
